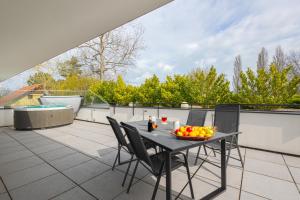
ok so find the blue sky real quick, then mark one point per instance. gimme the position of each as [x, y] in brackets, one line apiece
[191, 33]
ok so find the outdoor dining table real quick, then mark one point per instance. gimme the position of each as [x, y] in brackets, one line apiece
[163, 138]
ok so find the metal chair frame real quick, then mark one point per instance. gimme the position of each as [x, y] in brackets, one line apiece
[233, 141]
[122, 144]
[144, 159]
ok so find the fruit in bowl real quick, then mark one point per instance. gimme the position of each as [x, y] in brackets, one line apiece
[195, 131]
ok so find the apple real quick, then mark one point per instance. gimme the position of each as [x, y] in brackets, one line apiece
[179, 133]
[189, 129]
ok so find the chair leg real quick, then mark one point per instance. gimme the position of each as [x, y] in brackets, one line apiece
[157, 182]
[229, 151]
[240, 155]
[187, 153]
[189, 176]
[125, 177]
[118, 155]
[132, 177]
[205, 150]
[214, 152]
[196, 160]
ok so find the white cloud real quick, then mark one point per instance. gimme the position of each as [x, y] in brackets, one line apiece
[188, 34]
[165, 67]
[192, 46]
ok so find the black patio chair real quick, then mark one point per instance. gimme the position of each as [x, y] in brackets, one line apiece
[155, 164]
[196, 117]
[227, 117]
[123, 144]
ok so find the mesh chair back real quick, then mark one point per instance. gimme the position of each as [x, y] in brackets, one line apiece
[227, 118]
[137, 143]
[196, 117]
[117, 131]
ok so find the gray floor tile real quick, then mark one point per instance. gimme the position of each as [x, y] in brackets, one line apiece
[47, 148]
[9, 144]
[2, 188]
[265, 156]
[234, 175]
[5, 139]
[74, 194]
[141, 171]
[296, 174]
[141, 190]
[292, 161]
[109, 158]
[97, 140]
[69, 161]
[28, 138]
[12, 149]
[268, 168]
[230, 193]
[179, 179]
[19, 164]
[38, 143]
[248, 196]
[4, 196]
[58, 153]
[86, 171]
[268, 187]
[28, 175]
[43, 189]
[14, 156]
[105, 186]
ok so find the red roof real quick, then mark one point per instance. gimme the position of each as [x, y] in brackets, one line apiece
[19, 93]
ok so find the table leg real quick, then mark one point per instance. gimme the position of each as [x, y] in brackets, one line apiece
[168, 176]
[223, 165]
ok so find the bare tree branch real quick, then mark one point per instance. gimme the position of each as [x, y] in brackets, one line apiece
[237, 71]
[113, 50]
[262, 60]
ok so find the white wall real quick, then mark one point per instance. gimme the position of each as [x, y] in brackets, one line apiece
[270, 131]
[6, 117]
[276, 132]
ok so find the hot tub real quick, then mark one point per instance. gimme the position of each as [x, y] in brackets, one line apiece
[73, 101]
[36, 117]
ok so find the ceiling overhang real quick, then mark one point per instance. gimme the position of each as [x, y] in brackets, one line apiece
[33, 31]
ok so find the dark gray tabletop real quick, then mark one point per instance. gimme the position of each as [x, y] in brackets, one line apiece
[162, 136]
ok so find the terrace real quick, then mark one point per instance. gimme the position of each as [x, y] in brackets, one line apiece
[74, 162]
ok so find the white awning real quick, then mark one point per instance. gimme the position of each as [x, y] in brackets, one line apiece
[33, 31]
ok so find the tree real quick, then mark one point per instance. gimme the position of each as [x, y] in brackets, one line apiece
[208, 88]
[236, 73]
[73, 84]
[149, 93]
[69, 68]
[262, 60]
[294, 60]
[172, 90]
[123, 93]
[104, 89]
[112, 51]
[279, 59]
[45, 79]
[268, 86]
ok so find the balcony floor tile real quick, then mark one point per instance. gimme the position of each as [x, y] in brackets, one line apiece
[268, 187]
